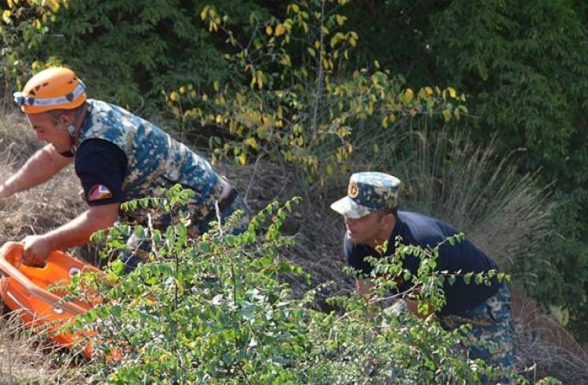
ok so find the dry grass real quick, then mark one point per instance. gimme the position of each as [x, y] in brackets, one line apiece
[544, 346]
[24, 358]
[40, 209]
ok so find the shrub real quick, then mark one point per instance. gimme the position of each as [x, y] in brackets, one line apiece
[302, 101]
[214, 310]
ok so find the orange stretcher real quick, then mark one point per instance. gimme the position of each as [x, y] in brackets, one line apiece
[24, 290]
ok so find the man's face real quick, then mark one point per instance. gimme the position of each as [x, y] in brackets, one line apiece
[364, 230]
[50, 130]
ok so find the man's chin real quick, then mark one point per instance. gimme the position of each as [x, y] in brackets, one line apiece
[352, 237]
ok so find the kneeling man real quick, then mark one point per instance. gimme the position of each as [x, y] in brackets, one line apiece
[371, 215]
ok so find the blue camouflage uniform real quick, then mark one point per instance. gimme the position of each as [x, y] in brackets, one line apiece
[485, 308]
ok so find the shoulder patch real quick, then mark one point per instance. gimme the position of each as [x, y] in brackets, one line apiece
[99, 192]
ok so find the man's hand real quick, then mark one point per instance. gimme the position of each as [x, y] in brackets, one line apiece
[5, 193]
[36, 250]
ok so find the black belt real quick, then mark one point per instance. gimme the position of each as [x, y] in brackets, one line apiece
[223, 204]
[228, 201]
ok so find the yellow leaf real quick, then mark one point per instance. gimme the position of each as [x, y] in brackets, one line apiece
[204, 97]
[330, 169]
[251, 142]
[280, 30]
[392, 118]
[285, 60]
[377, 64]
[204, 12]
[6, 16]
[269, 30]
[429, 91]
[340, 19]
[385, 122]
[242, 159]
[53, 4]
[408, 94]
[452, 92]
[353, 42]
[174, 96]
[447, 115]
[182, 90]
[259, 79]
[295, 8]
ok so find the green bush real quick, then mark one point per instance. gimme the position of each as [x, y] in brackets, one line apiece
[214, 310]
[303, 101]
[127, 52]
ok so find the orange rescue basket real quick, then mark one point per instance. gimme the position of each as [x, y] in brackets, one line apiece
[24, 290]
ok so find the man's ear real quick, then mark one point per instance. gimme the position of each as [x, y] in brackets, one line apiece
[389, 220]
[66, 118]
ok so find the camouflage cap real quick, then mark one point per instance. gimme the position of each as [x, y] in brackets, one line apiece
[368, 192]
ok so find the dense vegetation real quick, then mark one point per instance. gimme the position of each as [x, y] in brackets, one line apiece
[329, 87]
[215, 309]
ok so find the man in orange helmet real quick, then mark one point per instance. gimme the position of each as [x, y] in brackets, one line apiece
[118, 157]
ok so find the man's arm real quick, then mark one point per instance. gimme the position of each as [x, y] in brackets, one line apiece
[74, 233]
[363, 287]
[413, 307]
[38, 169]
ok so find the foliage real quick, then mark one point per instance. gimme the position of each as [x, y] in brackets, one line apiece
[528, 80]
[22, 32]
[301, 102]
[214, 310]
[523, 66]
[127, 52]
[291, 84]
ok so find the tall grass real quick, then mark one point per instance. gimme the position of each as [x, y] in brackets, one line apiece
[504, 213]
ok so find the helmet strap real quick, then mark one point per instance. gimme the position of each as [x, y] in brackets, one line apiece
[71, 130]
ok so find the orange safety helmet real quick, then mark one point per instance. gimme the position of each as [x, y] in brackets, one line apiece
[51, 89]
